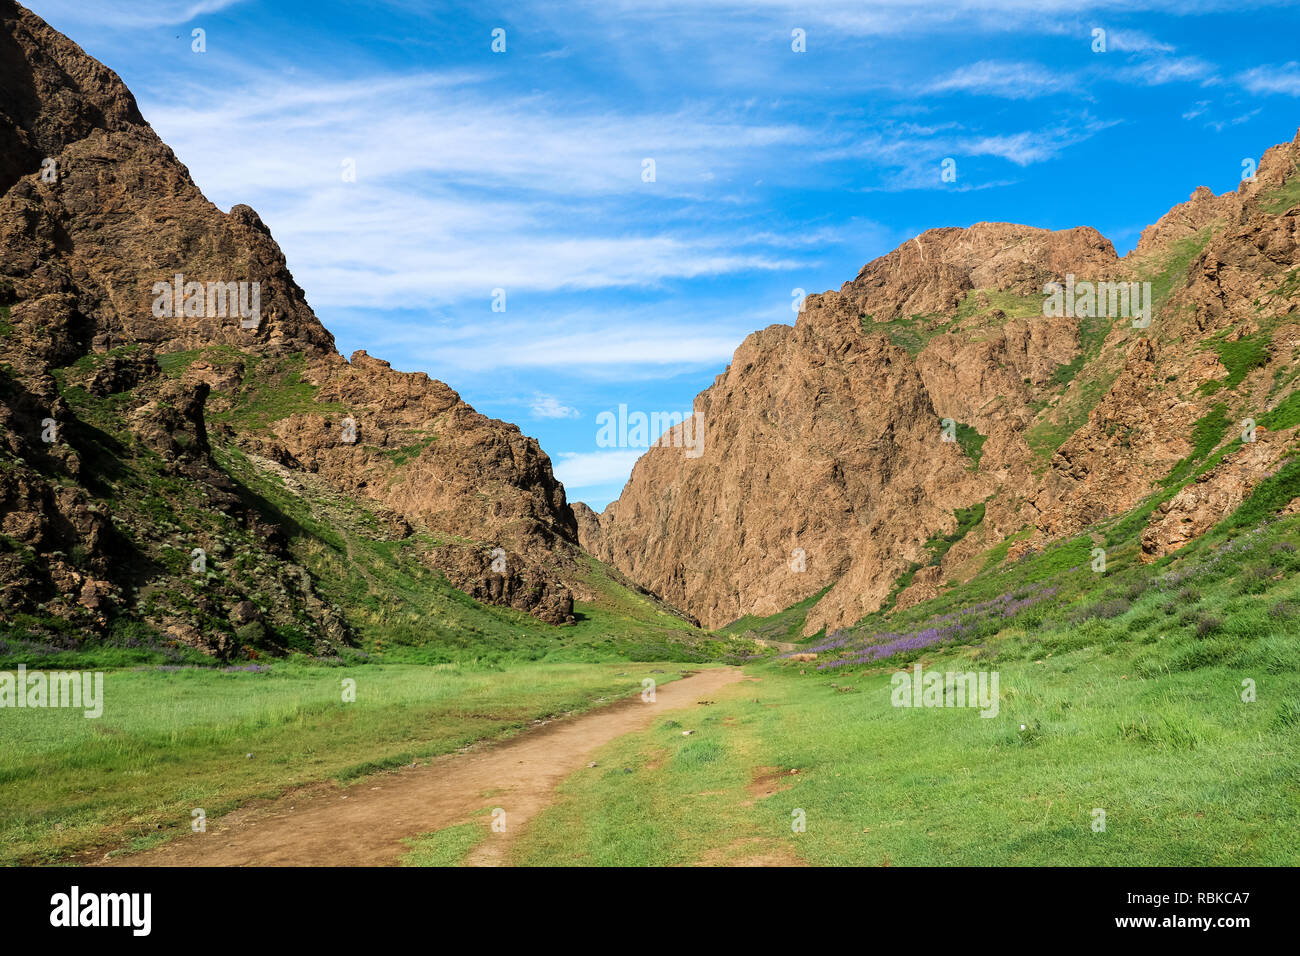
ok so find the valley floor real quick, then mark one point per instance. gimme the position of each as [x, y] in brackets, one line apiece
[788, 766]
[173, 741]
[367, 823]
[1184, 771]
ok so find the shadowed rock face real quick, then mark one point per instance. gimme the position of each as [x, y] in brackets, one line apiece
[95, 211]
[827, 437]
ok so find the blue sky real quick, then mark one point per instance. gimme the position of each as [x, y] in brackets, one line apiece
[773, 169]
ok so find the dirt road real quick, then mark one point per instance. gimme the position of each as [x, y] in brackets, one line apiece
[364, 823]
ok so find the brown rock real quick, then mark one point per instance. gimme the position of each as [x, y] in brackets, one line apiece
[1218, 492]
[245, 612]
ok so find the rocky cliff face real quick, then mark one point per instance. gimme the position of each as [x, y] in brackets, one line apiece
[129, 352]
[825, 460]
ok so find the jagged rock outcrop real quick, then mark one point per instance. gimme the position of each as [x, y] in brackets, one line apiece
[825, 439]
[589, 533]
[1240, 284]
[1218, 492]
[934, 272]
[133, 310]
[783, 503]
[822, 436]
[464, 474]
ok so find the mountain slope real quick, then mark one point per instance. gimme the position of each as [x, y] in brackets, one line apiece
[122, 401]
[830, 437]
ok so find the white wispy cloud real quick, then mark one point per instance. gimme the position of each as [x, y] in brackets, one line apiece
[892, 17]
[1272, 79]
[475, 190]
[1169, 69]
[548, 406]
[462, 132]
[1220, 125]
[1004, 79]
[917, 158]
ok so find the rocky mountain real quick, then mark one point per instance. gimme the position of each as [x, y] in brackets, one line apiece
[935, 407]
[173, 416]
[148, 339]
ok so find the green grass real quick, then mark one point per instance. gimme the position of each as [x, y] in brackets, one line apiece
[1206, 435]
[1123, 693]
[974, 313]
[1172, 270]
[1240, 358]
[270, 388]
[221, 356]
[404, 609]
[981, 303]
[910, 334]
[998, 553]
[1285, 415]
[407, 453]
[169, 742]
[785, 626]
[972, 442]
[1186, 773]
[967, 520]
[1279, 200]
[273, 390]
[446, 847]
[1268, 497]
[1053, 428]
[1092, 333]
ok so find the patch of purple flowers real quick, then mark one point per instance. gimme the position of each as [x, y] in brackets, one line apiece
[860, 646]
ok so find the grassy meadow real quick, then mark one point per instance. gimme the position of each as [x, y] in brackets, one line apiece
[1165, 695]
[174, 739]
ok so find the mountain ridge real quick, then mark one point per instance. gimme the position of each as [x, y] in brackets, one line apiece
[952, 324]
[102, 381]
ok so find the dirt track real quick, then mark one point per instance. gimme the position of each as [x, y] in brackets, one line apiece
[363, 824]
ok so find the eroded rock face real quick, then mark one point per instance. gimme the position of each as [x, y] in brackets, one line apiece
[822, 436]
[828, 439]
[934, 271]
[589, 532]
[98, 219]
[1202, 210]
[461, 473]
[1203, 503]
[1131, 440]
